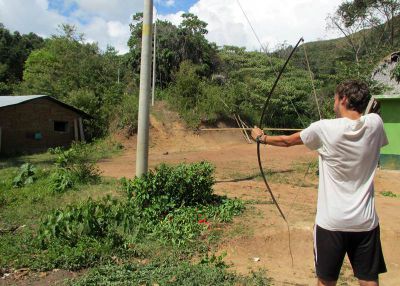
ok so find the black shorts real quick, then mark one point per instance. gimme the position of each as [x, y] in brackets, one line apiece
[363, 249]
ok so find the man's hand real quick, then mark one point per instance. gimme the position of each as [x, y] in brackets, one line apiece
[257, 133]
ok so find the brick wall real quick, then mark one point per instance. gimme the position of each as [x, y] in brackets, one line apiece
[20, 123]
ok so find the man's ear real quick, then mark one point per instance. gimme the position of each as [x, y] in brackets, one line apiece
[344, 101]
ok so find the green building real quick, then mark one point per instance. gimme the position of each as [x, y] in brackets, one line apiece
[390, 113]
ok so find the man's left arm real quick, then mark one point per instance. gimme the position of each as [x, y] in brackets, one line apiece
[281, 140]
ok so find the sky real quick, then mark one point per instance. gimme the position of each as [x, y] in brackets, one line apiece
[107, 21]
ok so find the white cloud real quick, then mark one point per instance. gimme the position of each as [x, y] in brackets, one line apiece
[273, 21]
[107, 21]
[29, 16]
[103, 21]
[110, 9]
[175, 19]
[170, 3]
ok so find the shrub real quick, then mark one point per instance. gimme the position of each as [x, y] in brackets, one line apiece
[92, 219]
[396, 73]
[171, 205]
[168, 188]
[61, 180]
[73, 166]
[127, 114]
[26, 175]
[180, 226]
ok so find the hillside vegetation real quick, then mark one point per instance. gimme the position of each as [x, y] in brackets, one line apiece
[204, 83]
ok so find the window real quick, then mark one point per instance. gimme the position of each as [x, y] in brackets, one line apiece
[60, 126]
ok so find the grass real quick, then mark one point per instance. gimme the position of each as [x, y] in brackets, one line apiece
[25, 206]
[389, 194]
[22, 208]
[42, 160]
[116, 257]
[168, 273]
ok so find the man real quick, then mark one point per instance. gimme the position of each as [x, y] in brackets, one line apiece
[346, 220]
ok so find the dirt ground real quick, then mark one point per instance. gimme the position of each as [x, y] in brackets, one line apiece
[260, 239]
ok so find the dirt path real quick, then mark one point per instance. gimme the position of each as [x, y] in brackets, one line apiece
[259, 239]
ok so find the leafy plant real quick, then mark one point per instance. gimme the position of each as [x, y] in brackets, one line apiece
[169, 272]
[173, 205]
[168, 188]
[389, 194]
[396, 72]
[92, 219]
[26, 175]
[73, 166]
[61, 181]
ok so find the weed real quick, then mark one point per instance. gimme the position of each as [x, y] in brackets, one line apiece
[170, 272]
[26, 175]
[91, 219]
[61, 181]
[73, 167]
[170, 187]
[389, 194]
[93, 232]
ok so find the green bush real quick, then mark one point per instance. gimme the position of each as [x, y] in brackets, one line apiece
[73, 166]
[127, 114]
[396, 73]
[168, 188]
[172, 205]
[180, 226]
[91, 219]
[61, 181]
[26, 175]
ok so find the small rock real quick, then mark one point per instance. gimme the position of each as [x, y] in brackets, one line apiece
[256, 259]
[5, 275]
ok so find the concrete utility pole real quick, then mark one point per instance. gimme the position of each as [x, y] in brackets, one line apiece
[142, 152]
[154, 63]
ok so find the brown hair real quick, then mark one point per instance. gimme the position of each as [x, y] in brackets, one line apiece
[357, 94]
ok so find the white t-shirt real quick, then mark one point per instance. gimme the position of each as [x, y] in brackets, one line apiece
[348, 157]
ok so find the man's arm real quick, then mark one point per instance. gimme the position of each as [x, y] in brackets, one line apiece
[281, 141]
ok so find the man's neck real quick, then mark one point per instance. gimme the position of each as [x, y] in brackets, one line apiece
[351, 114]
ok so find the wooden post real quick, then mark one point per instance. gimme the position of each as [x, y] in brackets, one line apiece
[81, 130]
[0, 139]
[76, 130]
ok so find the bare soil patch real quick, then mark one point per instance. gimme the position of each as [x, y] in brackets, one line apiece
[259, 238]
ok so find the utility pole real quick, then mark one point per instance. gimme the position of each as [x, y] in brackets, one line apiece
[154, 62]
[142, 152]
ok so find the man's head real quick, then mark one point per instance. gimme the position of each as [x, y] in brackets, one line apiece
[351, 95]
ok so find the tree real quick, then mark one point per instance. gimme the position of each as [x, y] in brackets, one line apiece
[77, 73]
[367, 25]
[175, 45]
[14, 50]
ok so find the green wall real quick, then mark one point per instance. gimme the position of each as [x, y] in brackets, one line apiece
[390, 112]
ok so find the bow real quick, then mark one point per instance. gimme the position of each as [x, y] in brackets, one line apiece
[260, 126]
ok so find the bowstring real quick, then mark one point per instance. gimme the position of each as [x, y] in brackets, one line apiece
[291, 102]
[270, 62]
[320, 118]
